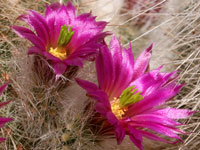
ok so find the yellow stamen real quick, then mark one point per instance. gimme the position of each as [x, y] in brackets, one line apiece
[117, 110]
[58, 52]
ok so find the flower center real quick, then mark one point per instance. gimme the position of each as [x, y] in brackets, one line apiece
[129, 96]
[65, 36]
[58, 52]
[117, 110]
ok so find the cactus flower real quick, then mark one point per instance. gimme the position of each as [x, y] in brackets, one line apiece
[61, 36]
[131, 98]
[3, 120]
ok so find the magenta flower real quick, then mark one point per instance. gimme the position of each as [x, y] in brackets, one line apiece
[61, 36]
[3, 120]
[129, 97]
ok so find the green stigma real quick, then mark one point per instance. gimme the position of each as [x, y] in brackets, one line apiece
[128, 97]
[65, 36]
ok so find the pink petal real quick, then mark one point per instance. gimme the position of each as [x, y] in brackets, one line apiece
[174, 113]
[114, 68]
[5, 120]
[4, 103]
[153, 118]
[89, 48]
[154, 137]
[157, 98]
[39, 24]
[162, 129]
[3, 87]
[88, 86]
[59, 69]
[119, 131]
[70, 10]
[74, 62]
[2, 140]
[101, 108]
[142, 62]
[95, 92]
[104, 68]
[85, 29]
[34, 50]
[152, 81]
[135, 137]
[29, 35]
